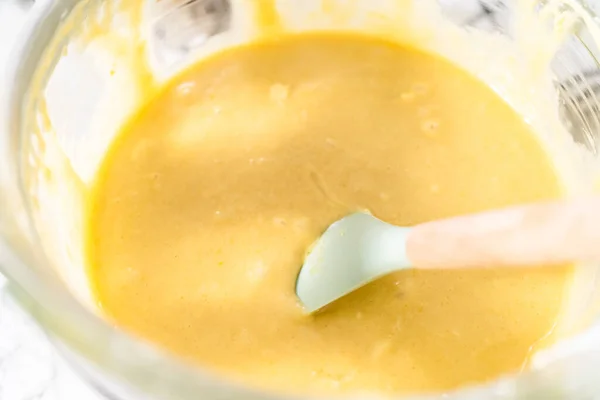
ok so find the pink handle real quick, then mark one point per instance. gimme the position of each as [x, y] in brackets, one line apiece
[540, 234]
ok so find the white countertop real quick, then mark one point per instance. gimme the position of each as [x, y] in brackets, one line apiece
[30, 369]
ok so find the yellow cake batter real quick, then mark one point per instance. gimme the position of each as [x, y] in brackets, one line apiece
[209, 198]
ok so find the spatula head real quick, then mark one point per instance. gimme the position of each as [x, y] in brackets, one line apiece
[351, 253]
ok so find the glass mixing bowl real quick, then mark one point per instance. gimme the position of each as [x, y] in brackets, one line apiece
[45, 167]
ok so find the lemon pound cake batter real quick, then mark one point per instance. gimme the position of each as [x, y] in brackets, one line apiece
[208, 199]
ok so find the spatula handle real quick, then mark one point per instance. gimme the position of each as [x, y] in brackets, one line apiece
[540, 234]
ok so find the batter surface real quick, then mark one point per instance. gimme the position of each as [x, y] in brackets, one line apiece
[209, 198]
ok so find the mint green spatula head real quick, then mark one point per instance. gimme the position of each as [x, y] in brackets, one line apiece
[360, 248]
[351, 253]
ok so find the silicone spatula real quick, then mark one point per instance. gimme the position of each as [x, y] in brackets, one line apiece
[361, 248]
